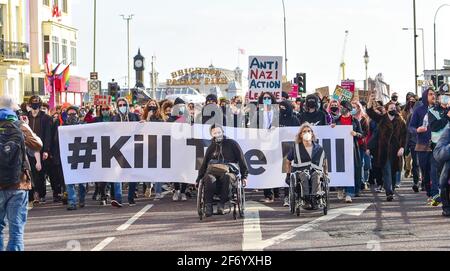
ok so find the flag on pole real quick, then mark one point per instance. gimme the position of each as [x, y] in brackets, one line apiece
[65, 78]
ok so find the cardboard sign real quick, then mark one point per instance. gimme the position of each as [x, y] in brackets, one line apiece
[348, 85]
[102, 100]
[265, 75]
[341, 94]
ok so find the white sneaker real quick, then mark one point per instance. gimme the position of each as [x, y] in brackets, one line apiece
[158, 197]
[341, 194]
[176, 196]
[286, 202]
[348, 199]
[183, 197]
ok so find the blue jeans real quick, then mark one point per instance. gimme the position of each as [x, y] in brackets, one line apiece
[398, 178]
[435, 173]
[425, 164]
[366, 166]
[72, 193]
[158, 188]
[118, 191]
[13, 208]
[387, 177]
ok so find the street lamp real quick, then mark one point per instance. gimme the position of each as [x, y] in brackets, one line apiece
[128, 19]
[95, 35]
[366, 61]
[423, 44]
[435, 38]
[285, 39]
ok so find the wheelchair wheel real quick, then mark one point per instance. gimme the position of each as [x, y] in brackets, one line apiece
[299, 199]
[241, 200]
[201, 200]
[292, 194]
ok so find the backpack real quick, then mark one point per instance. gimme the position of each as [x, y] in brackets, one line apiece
[12, 153]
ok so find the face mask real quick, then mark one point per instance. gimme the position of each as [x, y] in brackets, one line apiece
[393, 113]
[267, 102]
[445, 99]
[394, 99]
[335, 109]
[312, 104]
[354, 112]
[35, 106]
[152, 108]
[105, 113]
[71, 120]
[123, 110]
[307, 137]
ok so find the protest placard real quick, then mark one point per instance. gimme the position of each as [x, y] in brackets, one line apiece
[265, 75]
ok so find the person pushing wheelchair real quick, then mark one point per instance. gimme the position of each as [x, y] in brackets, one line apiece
[307, 159]
[219, 169]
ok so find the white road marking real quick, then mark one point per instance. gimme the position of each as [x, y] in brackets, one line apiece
[130, 222]
[252, 228]
[124, 227]
[253, 238]
[103, 244]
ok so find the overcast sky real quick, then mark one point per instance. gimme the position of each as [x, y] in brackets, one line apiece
[194, 33]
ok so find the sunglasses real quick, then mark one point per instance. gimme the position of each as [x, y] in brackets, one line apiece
[122, 105]
[267, 98]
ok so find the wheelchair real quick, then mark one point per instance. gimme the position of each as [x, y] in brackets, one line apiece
[236, 205]
[298, 201]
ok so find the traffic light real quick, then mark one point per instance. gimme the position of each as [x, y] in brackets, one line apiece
[439, 83]
[113, 91]
[134, 96]
[300, 80]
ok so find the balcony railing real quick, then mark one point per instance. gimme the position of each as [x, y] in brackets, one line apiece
[14, 50]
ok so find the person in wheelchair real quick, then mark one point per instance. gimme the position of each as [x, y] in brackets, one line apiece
[307, 159]
[218, 170]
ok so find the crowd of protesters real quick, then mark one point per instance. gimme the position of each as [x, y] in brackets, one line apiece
[389, 139]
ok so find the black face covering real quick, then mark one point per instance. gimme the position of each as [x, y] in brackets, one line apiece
[35, 106]
[311, 104]
[152, 108]
[72, 120]
[393, 113]
[335, 109]
[395, 99]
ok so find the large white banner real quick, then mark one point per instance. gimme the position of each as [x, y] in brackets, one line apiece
[171, 152]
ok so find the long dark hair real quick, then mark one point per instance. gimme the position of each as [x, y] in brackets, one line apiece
[261, 98]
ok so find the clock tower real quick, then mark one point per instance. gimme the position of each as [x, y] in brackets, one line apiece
[139, 68]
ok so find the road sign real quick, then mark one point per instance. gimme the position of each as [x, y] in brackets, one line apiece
[94, 86]
[102, 100]
[94, 75]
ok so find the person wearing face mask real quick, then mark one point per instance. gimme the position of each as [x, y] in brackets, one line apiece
[419, 127]
[73, 118]
[237, 113]
[395, 100]
[411, 165]
[308, 159]
[346, 118]
[266, 118]
[334, 109]
[312, 114]
[223, 151]
[124, 115]
[439, 118]
[211, 113]
[41, 125]
[391, 143]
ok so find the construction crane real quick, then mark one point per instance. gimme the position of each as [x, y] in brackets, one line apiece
[342, 66]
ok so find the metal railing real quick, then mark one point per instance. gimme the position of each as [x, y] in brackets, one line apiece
[14, 50]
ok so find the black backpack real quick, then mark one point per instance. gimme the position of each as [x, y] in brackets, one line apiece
[12, 153]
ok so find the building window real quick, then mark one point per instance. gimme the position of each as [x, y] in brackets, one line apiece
[73, 53]
[46, 46]
[55, 49]
[64, 51]
[46, 3]
[65, 6]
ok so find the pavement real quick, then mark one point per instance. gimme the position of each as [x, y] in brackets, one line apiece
[369, 224]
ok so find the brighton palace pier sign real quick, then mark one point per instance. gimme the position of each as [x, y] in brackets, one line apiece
[194, 77]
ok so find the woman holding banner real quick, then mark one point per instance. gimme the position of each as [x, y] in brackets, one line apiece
[347, 118]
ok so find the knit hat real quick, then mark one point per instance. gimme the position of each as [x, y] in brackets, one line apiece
[212, 97]
[347, 105]
[179, 101]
